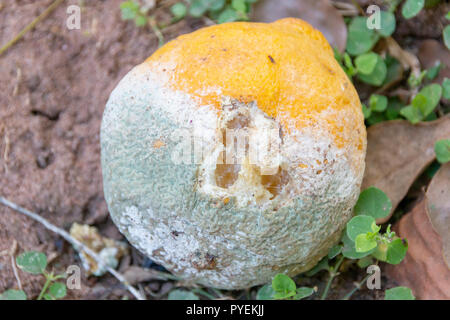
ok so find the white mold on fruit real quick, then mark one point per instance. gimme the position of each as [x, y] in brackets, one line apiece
[231, 234]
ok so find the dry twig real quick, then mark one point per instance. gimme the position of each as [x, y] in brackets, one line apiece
[12, 253]
[79, 246]
[30, 26]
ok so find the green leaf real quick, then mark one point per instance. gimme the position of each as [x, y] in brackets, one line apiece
[360, 39]
[140, 20]
[365, 63]
[396, 251]
[394, 70]
[366, 111]
[427, 98]
[349, 68]
[13, 295]
[433, 72]
[411, 8]
[442, 150]
[378, 74]
[48, 296]
[216, 5]
[32, 262]
[239, 5]
[178, 10]
[378, 102]
[446, 36]
[283, 283]
[446, 88]
[132, 5]
[334, 251]
[399, 293]
[58, 290]
[266, 292]
[198, 8]
[337, 55]
[376, 117]
[373, 202]
[387, 20]
[380, 252]
[393, 108]
[360, 224]
[303, 292]
[321, 265]
[365, 262]
[411, 113]
[129, 10]
[228, 15]
[365, 243]
[349, 250]
[283, 286]
[182, 295]
[416, 80]
[375, 228]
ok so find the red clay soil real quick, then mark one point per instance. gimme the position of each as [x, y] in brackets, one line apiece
[53, 88]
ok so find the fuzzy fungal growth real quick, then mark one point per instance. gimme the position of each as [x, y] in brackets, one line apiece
[235, 153]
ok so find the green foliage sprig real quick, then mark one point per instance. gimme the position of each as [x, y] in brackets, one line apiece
[220, 11]
[131, 10]
[34, 262]
[362, 241]
[360, 62]
[442, 150]
[283, 288]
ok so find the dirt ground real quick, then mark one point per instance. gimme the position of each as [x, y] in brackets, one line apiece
[53, 88]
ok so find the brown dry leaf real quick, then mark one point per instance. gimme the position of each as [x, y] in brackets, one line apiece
[423, 269]
[398, 152]
[135, 275]
[438, 208]
[432, 51]
[319, 13]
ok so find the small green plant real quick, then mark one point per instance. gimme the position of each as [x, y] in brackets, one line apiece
[34, 262]
[442, 150]
[12, 294]
[362, 241]
[399, 293]
[364, 234]
[220, 11]
[411, 8]
[446, 88]
[378, 103]
[433, 72]
[423, 103]
[182, 295]
[178, 10]
[446, 36]
[283, 288]
[360, 62]
[131, 10]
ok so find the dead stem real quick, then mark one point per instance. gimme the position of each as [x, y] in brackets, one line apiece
[75, 243]
[30, 26]
[12, 253]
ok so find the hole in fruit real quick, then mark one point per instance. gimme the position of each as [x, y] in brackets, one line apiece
[238, 122]
[250, 173]
[275, 183]
[227, 174]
